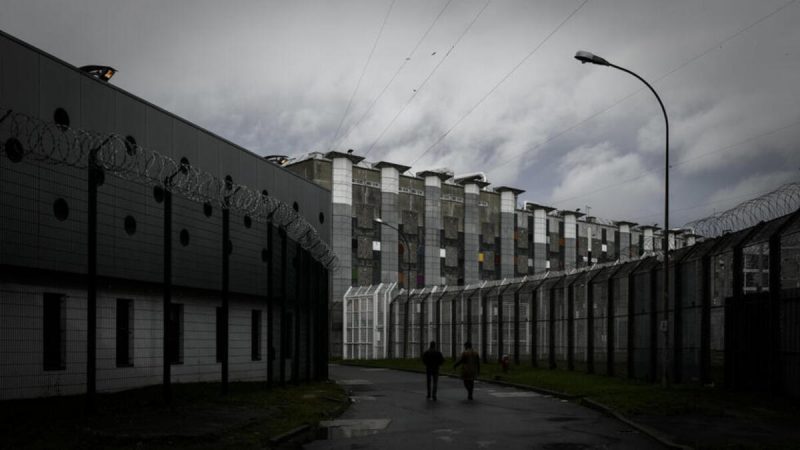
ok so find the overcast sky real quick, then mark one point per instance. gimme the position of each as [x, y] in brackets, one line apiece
[472, 86]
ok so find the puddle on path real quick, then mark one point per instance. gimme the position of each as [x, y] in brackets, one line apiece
[349, 428]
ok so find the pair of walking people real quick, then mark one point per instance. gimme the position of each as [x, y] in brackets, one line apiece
[469, 361]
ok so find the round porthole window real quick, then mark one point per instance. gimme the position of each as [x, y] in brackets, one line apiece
[265, 193]
[61, 209]
[130, 225]
[14, 150]
[61, 118]
[184, 237]
[158, 194]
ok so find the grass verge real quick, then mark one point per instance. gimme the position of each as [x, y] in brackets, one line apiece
[199, 417]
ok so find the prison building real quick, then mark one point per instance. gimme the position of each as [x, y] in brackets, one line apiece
[140, 249]
[458, 229]
[731, 316]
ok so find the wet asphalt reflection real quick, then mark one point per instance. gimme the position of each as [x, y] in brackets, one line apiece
[390, 411]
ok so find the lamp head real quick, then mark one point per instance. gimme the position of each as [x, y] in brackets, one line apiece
[102, 73]
[588, 57]
[377, 220]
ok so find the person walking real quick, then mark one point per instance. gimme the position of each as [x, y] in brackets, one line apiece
[470, 364]
[432, 359]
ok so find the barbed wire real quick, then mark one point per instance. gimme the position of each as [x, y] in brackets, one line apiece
[783, 200]
[26, 137]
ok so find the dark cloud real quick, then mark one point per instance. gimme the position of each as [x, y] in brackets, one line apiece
[276, 77]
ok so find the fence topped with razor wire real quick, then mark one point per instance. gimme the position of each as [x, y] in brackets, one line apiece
[52, 143]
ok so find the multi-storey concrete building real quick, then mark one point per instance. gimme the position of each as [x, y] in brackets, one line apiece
[460, 229]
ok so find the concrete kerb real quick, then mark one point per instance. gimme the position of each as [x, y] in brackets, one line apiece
[584, 401]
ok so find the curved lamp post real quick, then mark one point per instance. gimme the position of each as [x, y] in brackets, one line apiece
[403, 237]
[587, 57]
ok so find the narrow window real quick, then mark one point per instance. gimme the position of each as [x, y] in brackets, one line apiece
[54, 327]
[175, 334]
[288, 335]
[219, 334]
[255, 335]
[124, 332]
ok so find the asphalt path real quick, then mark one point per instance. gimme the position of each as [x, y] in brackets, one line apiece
[390, 411]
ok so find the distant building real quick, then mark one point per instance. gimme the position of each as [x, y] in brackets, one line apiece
[460, 229]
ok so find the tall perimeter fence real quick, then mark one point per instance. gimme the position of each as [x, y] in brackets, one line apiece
[733, 317]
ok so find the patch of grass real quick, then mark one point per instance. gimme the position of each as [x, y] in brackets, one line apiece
[198, 417]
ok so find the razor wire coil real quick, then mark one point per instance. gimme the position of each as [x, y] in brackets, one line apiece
[779, 202]
[24, 136]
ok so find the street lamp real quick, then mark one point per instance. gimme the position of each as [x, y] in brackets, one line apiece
[587, 57]
[403, 237]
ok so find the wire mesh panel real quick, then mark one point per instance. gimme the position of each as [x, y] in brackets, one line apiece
[600, 330]
[623, 325]
[524, 324]
[790, 341]
[492, 306]
[561, 321]
[399, 325]
[644, 330]
[721, 270]
[690, 303]
[428, 306]
[790, 309]
[544, 324]
[580, 314]
[475, 319]
[506, 302]
[414, 327]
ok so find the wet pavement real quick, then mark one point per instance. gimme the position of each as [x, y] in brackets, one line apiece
[390, 411]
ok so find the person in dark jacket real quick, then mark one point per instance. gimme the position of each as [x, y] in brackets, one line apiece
[432, 359]
[470, 363]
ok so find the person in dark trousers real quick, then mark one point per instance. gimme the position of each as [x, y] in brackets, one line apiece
[432, 359]
[470, 364]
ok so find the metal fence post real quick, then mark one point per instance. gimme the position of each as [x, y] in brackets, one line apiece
[570, 326]
[91, 289]
[551, 329]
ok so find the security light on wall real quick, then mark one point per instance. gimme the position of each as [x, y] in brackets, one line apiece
[103, 73]
[277, 159]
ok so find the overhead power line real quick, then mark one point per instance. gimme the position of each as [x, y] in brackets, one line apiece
[425, 81]
[515, 157]
[363, 71]
[502, 80]
[397, 72]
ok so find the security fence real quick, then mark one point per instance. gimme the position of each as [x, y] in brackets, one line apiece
[733, 316]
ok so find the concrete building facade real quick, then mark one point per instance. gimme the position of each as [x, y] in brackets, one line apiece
[460, 230]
